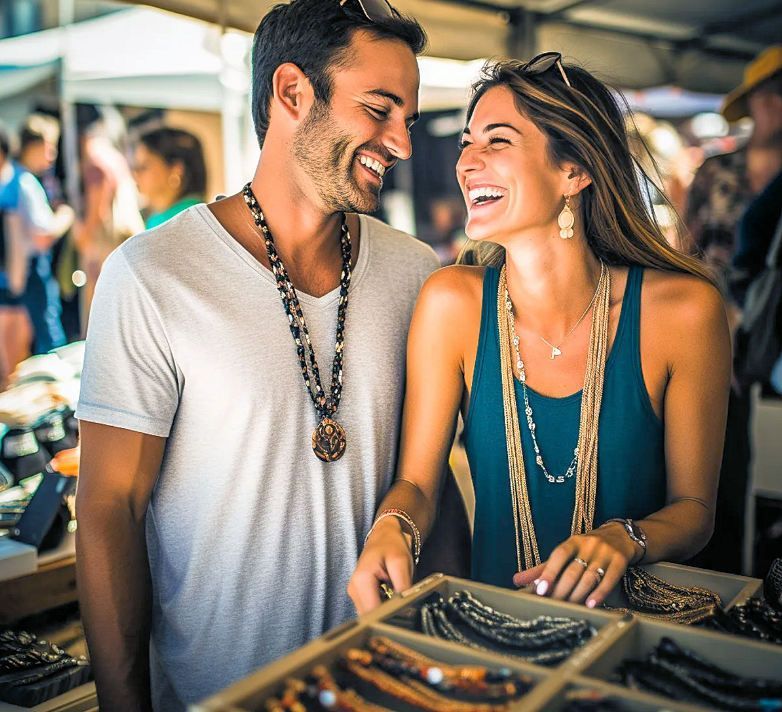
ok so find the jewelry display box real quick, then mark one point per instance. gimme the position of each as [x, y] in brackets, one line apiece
[590, 668]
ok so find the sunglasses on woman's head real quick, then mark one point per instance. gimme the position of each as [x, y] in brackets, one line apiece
[543, 62]
[373, 10]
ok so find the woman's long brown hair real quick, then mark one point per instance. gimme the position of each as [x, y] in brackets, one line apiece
[583, 124]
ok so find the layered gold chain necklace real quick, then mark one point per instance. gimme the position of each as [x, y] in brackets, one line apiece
[591, 398]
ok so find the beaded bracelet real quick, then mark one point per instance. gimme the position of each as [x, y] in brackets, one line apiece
[407, 519]
[471, 680]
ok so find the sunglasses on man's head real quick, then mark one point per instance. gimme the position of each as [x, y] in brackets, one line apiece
[543, 62]
[373, 10]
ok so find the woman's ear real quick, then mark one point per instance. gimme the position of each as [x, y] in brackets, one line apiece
[292, 91]
[577, 178]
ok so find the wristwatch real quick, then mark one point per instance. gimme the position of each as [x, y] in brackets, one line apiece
[634, 532]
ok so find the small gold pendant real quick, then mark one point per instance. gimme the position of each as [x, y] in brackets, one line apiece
[328, 440]
[555, 352]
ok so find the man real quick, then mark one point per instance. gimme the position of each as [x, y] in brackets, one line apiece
[34, 228]
[205, 425]
[760, 96]
[720, 194]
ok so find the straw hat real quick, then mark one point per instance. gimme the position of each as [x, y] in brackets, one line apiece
[763, 67]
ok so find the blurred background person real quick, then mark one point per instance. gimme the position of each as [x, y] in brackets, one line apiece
[15, 329]
[720, 196]
[758, 222]
[170, 172]
[445, 228]
[110, 212]
[29, 258]
[759, 96]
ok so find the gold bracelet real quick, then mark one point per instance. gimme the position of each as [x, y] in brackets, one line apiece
[407, 519]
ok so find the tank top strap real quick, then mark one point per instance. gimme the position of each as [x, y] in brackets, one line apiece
[487, 353]
[627, 342]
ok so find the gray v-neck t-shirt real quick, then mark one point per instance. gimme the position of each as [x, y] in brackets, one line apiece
[251, 538]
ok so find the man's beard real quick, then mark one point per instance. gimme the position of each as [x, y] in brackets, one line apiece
[323, 152]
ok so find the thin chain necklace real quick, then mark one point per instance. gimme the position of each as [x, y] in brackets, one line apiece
[571, 470]
[527, 554]
[557, 350]
[328, 438]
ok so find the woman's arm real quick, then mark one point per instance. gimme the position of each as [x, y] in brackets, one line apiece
[434, 389]
[694, 341]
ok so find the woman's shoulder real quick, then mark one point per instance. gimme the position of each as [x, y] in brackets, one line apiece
[682, 303]
[454, 285]
[669, 289]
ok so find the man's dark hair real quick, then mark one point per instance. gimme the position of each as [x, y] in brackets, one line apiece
[37, 128]
[313, 35]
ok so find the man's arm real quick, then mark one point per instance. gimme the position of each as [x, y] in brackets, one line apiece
[46, 225]
[117, 473]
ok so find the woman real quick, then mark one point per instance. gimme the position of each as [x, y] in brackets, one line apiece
[590, 359]
[170, 173]
[110, 213]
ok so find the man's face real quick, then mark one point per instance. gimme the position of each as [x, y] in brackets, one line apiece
[347, 146]
[39, 156]
[765, 108]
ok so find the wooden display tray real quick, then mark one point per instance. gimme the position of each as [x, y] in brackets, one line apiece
[590, 667]
[79, 699]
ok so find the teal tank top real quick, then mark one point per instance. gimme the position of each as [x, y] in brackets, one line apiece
[631, 464]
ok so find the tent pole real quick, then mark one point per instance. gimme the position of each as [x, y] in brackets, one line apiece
[523, 35]
[70, 138]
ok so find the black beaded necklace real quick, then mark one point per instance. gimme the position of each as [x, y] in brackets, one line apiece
[328, 438]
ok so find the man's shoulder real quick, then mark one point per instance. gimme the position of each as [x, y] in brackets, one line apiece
[170, 242]
[397, 245]
[28, 183]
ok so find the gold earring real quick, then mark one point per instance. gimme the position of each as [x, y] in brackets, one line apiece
[566, 220]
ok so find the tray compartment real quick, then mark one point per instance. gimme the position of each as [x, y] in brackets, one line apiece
[516, 603]
[250, 693]
[628, 700]
[734, 654]
[730, 588]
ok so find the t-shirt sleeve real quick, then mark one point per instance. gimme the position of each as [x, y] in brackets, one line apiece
[34, 205]
[129, 379]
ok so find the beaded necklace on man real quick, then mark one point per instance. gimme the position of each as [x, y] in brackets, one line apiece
[328, 439]
[585, 453]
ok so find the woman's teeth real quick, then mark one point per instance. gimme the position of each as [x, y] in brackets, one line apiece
[485, 194]
[373, 165]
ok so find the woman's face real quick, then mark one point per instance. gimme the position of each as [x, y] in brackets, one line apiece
[158, 183]
[507, 179]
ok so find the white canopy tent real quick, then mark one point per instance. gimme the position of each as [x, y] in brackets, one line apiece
[139, 57]
[144, 57]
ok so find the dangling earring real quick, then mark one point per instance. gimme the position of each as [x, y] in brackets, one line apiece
[566, 220]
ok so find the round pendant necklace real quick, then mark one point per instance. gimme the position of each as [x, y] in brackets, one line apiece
[328, 438]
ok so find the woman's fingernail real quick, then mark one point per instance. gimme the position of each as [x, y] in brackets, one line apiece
[535, 582]
[541, 587]
[591, 603]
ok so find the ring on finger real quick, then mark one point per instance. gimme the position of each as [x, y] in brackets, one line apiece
[599, 572]
[579, 560]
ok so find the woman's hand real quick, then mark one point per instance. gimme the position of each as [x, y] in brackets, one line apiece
[585, 567]
[387, 558]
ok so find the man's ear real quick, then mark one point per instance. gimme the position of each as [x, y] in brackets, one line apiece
[292, 91]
